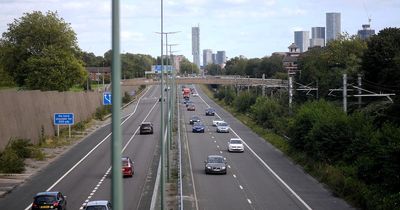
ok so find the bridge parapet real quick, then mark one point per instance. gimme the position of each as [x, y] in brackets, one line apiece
[212, 80]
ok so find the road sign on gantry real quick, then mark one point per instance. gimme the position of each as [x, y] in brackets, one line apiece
[106, 98]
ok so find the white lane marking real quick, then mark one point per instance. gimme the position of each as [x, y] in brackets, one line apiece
[241, 187]
[248, 200]
[217, 146]
[265, 164]
[126, 145]
[220, 152]
[234, 176]
[90, 152]
[212, 137]
[215, 141]
[229, 166]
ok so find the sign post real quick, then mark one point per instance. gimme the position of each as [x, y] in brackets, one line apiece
[64, 119]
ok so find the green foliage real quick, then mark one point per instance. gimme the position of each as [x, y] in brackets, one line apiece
[243, 101]
[126, 98]
[320, 130]
[10, 162]
[267, 111]
[21, 147]
[229, 95]
[236, 66]
[187, 67]
[255, 67]
[213, 69]
[40, 51]
[91, 60]
[381, 62]
[101, 112]
[134, 65]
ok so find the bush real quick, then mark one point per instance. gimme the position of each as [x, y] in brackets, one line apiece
[10, 162]
[21, 147]
[101, 112]
[244, 101]
[267, 112]
[127, 98]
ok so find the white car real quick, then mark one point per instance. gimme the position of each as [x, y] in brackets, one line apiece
[100, 204]
[195, 95]
[223, 127]
[235, 145]
[216, 122]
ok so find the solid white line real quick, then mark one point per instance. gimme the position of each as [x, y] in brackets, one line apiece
[191, 169]
[266, 165]
[90, 152]
[157, 183]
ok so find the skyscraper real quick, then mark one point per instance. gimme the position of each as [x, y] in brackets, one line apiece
[333, 26]
[207, 57]
[317, 37]
[366, 32]
[196, 45]
[221, 57]
[302, 40]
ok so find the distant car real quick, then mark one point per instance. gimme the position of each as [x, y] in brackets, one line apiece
[210, 112]
[191, 107]
[195, 95]
[215, 164]
[127, 167]
[216, 122]
[185, 101]
[49, 200]
[146, 128]
[188, 103]
[98, 205]
[194, 119]
[235, 145]
[198, 127]
[222, 127]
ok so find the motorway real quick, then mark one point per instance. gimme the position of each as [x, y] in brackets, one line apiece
[83, 173]
[259, 178]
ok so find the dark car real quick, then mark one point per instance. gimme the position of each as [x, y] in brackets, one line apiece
[198, 127]
[127, 167]
[194, 119]
[146, 128]
[49, 200]
[191, 107]
[215, 164]
[210, 112]
[188, 103]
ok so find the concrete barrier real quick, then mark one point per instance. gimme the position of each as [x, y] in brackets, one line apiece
[24, 113]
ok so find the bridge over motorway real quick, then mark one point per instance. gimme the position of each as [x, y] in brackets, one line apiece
[240, 81]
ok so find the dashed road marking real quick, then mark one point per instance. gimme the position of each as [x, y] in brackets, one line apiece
[241, 187]
[234, 176]
[248, 200]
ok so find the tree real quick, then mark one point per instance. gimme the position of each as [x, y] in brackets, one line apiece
[381, 62]
[187, 67]
[213, 69]
[270, 66]
[39, 48]
[236, 66]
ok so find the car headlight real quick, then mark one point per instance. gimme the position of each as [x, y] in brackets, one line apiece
[223, 167]
[209, 167]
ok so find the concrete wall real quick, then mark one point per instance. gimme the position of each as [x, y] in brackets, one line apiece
[23, 113]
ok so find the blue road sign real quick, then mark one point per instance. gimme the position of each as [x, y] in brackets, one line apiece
[106, 98]
[63, 118]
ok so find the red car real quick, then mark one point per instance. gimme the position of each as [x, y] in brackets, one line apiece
[127, 167]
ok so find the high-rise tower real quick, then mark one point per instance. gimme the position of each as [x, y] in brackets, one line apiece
[333, 26]
[302, 40]
[196, 45]
[317, 37]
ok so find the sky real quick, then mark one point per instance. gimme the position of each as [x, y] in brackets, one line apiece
[252, 28]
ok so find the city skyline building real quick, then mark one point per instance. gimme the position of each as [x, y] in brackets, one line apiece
[302, 40]
[317, 37]
[366, 32]
[196, 45]
[333, 26]
[207, 57]
[221, 57]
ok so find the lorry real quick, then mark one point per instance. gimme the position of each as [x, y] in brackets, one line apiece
[186, 93]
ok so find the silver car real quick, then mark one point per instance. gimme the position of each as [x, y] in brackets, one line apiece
[222, 127]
